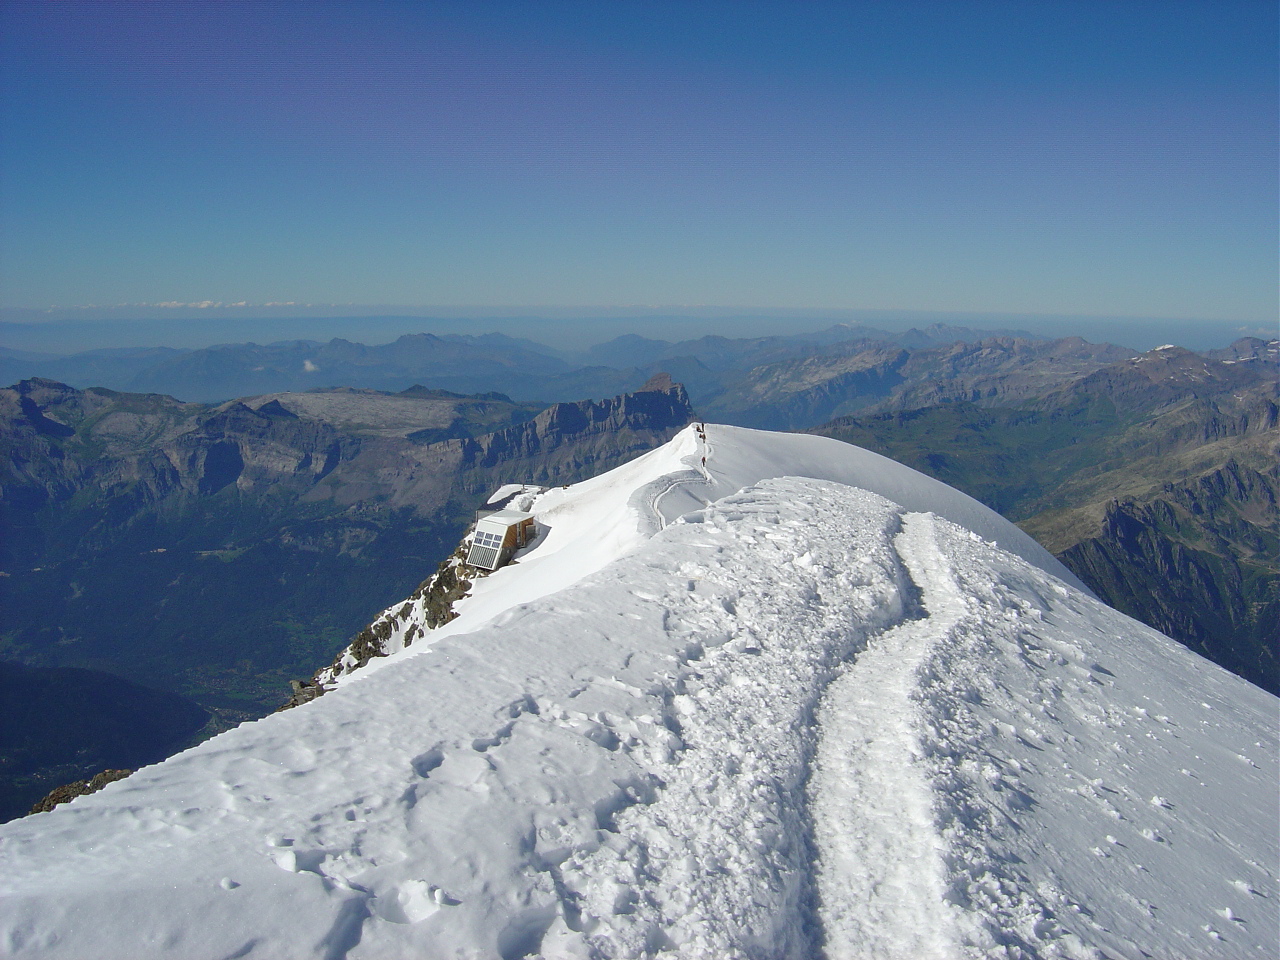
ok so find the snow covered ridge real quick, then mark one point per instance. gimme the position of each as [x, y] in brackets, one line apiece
[803, 720]
[593, 523]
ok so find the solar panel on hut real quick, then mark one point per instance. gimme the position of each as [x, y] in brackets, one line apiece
[498, 536]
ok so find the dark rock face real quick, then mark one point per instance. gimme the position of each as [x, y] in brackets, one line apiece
[303, 691]
[658, 383]
[439, 592]
[1199, 564]
[608, 430]
[80, 788]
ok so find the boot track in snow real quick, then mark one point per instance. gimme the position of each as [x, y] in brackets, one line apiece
[880, 874]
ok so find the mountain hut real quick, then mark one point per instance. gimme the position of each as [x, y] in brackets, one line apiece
[498, 536]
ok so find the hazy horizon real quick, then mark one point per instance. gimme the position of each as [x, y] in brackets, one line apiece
[574, 329]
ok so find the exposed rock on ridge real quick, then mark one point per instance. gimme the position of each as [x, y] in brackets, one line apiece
[81, 788]
[397, 627]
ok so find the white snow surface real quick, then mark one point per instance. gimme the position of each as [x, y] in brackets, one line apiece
[584, 527]
[507, 490]
[818, 715]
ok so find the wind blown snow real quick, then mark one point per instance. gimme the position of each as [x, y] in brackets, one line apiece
[739, 711]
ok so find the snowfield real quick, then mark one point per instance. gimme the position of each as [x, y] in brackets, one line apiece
[800, 702]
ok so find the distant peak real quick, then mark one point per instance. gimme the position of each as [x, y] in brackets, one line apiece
[276, 409]
[658, 383]
[45, 383]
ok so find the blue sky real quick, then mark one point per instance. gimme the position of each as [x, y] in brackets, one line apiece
[1097, 158]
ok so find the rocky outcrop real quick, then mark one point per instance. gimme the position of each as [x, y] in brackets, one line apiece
[80, 788]
[397, 627]
[303, 691]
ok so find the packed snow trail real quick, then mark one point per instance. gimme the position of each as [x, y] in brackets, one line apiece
[881, 875]
[718, 861]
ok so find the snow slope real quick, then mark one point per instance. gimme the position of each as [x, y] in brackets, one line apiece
[802, 720]
[584, 527]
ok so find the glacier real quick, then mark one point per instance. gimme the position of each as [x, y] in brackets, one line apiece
[795, 700]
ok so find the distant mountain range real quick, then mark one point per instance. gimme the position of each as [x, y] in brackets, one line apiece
[871, 375]
[517, 367]
[778, 382]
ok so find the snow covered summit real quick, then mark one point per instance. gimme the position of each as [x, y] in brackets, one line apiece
[796, 701]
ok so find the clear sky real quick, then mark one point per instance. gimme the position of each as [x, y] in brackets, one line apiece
[1106, 158]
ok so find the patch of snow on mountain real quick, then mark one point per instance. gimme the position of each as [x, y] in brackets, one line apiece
[506, 491]
[801, 720]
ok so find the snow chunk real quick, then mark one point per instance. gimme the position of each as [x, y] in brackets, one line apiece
[507, 490]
